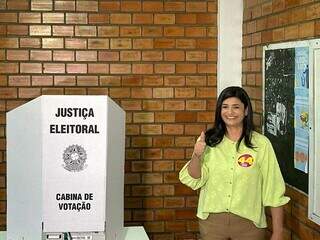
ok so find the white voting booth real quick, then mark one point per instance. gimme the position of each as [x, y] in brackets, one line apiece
[65, 166]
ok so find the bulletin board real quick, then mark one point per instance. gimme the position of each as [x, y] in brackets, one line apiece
[289, 112]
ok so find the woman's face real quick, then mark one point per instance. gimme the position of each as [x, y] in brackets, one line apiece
[233, 112]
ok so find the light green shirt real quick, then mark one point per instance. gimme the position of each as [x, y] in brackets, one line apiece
[242, 182]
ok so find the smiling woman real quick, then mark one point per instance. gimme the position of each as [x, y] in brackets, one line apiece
[238, 174]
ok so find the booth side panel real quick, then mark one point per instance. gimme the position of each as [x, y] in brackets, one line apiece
[115, 171]
[24, 169]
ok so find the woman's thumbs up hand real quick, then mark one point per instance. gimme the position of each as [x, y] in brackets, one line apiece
[199, 146]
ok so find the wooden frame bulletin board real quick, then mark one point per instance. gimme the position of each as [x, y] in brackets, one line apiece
[291, 75]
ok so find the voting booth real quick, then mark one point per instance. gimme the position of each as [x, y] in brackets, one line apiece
[65, 167]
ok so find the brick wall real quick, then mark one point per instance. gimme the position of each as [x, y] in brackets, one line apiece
[273, 21]
[157, 59]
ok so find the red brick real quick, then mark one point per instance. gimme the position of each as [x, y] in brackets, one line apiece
[291, 32]
[7, 93]
[120, 68]
[75, 91]
[173, 31]
[40, 30]
[52, 42]
[130, 31]
[108, 31]
[40, 55]
[109, 6]
[17, 5]
[120, 18]
[52, 91]
[163, 190]
[121, 43]
[152, 6]
[76, 68]
[98, 18]
[41, 5]
[88, 6]
[174, 55]
[64, 5]
[153, 80]
[278, 5]
[151, 178]
[174, 6]
[164, 43]
[30, 68]
[64, 80]
[174, 105]
[205, 117]
[151, 56]
[176, 202]
[152, 31]
[164, 19]
[17, 30]
[131, 105]
[98, 68]
[97, 43]
[164, 214]
[164, 117]
[120, 92]
[19, 80]
[141, 93]
[185, 116]
[76, 18]
[131, 6]
[75, 43]
[164, 68]
[186, 18]
[132, 80]
[62, 31]
[52, 17]
[85, 31]
[141, 190]
[153, 202]
[130, 56]
[195, 105]
[8, 17]
[142, 18]
[110, 81]
[151, 129]
[86, 56]
[141, 142]
[174, 81]
[186, 68]
[306, 29]
[312, 11]
[42, 80]
[54, 68]
[62, 55]
[9, 42]
[143, 43]
[163, 141]
[155, 227]
[17, 55]
[29, 92]
[151, 105]
[108, 56]
[173, 129]
[87, 80]
[186, 43]
[27, 43]
[196, 7]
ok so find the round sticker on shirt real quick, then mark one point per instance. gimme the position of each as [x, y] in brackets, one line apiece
[245, 160]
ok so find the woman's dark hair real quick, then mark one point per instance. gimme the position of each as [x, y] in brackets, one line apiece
[215, 135]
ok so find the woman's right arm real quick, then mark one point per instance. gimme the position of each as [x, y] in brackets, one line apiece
[194, 166]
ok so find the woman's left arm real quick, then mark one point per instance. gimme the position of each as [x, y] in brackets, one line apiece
[277, 223]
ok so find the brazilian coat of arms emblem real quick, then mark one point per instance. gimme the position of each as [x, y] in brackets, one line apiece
[74, 158]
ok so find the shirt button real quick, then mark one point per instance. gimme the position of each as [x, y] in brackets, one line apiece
[229, 195]
[231, 168]
[227, 209]
[230, 182]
